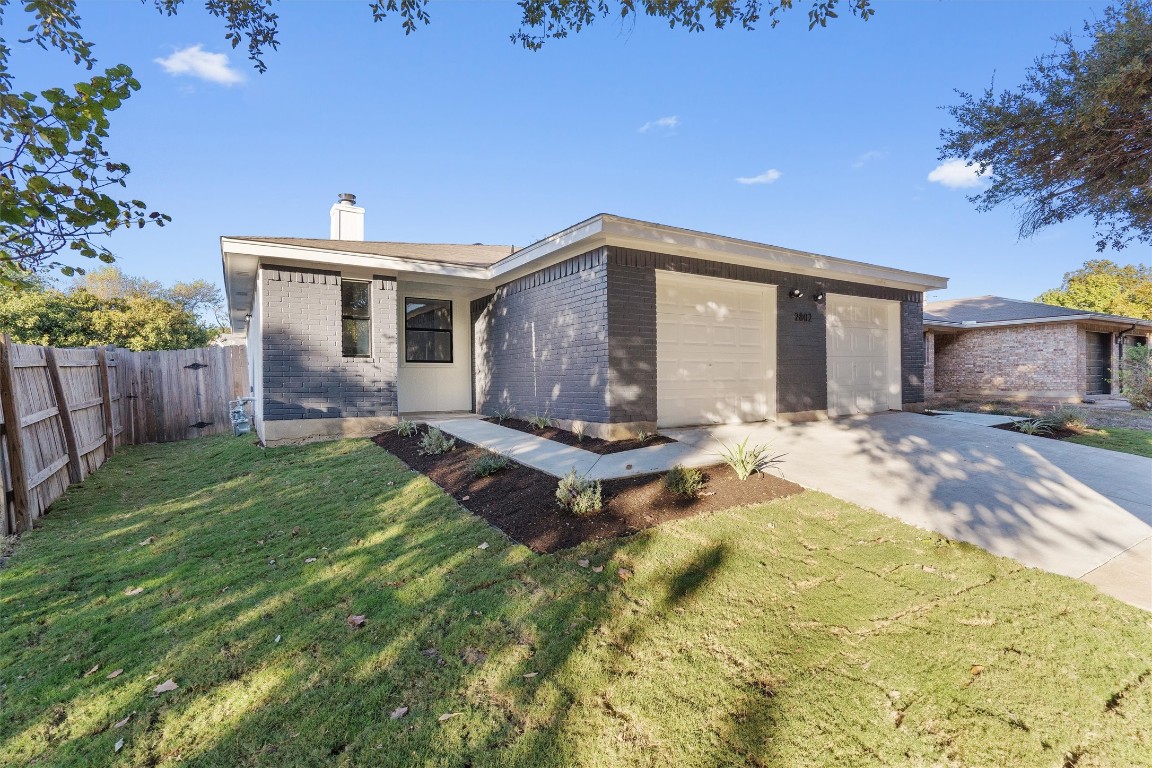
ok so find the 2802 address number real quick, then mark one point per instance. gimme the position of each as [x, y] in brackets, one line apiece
[803, 317]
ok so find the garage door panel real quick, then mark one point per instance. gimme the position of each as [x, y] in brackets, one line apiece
[863, 342]
[713, 343]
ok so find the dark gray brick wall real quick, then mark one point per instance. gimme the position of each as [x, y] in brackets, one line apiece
[631, 343]
[541, 343]
[305, 374]
[912, 351]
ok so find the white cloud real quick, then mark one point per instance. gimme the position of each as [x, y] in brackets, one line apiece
[867, 157]
[956, 174]
[197, 62]
[767, 177]
[669, 123]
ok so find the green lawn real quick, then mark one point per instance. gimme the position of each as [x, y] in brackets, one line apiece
[804, 632]
[1137, 441]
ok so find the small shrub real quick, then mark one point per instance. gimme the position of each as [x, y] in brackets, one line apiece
[488, 463]
[579, 429]
[746, 460]
[406, 428]
[539, 422]
[1067, 417]
[434, 442]
[684, 481]
[644, 435]
[504, 413]
[579, 495]
[1044, 425]
[1135, 377]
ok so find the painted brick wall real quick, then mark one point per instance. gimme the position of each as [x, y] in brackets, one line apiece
[305, 374]
[912, 352]
[631, 343]
[542, 343]
[1045, 358]
[929, 364]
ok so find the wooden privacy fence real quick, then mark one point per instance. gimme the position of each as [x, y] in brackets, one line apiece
[63, 412]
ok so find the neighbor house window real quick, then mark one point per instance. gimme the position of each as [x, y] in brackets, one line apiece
[356, 318]
[427, 331]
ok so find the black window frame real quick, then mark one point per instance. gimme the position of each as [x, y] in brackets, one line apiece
[449, 331]
[346, 314]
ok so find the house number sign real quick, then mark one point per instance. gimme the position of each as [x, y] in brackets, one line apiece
[803, 317]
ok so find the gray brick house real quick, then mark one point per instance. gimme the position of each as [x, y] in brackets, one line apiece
[989, 346]
[616, 323]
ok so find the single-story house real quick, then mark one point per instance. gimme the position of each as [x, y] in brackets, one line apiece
[989, 346]
[616, 323]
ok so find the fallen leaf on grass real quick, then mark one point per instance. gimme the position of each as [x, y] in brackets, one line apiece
[624, 574]
[399, 712]
[119, 745]
[483, 546]
[147, 541]
[151, 677]
[309, 559]
[530, 675]
[357, 621]
[123, 722]
[133, 590]
[115, 673]
[449, 716]
[582, 563]
[295, 530]
[598, 569]
[92, 671]
[164, 687]
[277, 639]
[977, 669]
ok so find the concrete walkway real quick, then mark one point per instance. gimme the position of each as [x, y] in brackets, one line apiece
[1069, 509]
[978, 419]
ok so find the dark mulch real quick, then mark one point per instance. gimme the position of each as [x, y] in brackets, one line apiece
[1056, 434]
[522, 502]
[593, 444]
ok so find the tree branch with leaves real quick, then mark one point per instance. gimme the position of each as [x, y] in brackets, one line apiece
[1076, 138]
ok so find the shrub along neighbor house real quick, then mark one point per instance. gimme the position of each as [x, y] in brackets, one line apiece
[616, 323]
[988, 346]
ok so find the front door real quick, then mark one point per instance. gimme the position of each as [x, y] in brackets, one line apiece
[1098, 375]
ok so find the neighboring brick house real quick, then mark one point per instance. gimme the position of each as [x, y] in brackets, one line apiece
[616, 323]
[988, 346]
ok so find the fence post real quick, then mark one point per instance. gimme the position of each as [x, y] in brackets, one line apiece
[75, 468]
[13, 437]
[106, 395]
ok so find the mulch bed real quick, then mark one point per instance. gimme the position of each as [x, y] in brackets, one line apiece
[521, 501]
[1056, 434]
[593, 444]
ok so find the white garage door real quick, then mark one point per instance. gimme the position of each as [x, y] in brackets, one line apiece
[863, 355]
[715, 350]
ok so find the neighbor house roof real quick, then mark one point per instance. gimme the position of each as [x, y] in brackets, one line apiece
[475, 255]
[986, 311]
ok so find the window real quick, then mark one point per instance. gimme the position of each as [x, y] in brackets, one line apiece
[356, 318]
[427, 331]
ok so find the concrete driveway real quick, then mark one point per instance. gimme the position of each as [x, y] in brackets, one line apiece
[1069, 509]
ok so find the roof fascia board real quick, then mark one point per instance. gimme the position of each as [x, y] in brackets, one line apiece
[274, 251]
[1085, 318]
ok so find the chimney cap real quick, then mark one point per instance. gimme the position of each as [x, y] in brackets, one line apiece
[347, 197]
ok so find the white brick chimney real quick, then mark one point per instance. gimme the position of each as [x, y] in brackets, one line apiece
[347, 219]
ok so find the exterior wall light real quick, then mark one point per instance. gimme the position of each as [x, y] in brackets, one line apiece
[819, 296]
[796, 293]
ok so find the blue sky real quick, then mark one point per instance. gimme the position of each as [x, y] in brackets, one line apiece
[821, 141]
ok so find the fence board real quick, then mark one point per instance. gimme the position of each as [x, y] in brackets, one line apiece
[64, 411]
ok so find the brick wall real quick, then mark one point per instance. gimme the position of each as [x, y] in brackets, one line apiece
[929, 364]
[631, 343]
[1044, 359]
[305, 374]
[541, 343]
[912, 353]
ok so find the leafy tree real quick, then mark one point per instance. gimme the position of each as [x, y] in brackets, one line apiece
[1104, 286]
[1076, 138]
[105, 307]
